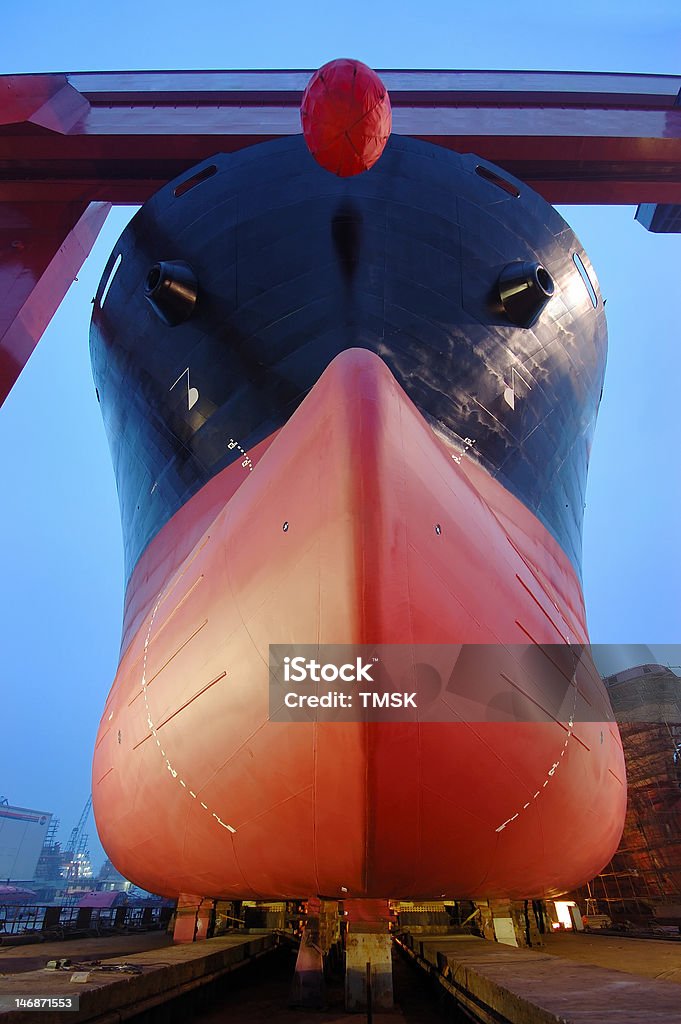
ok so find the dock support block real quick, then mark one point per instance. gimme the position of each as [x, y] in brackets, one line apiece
[308, 989]
[511, 922]
[192, 919]
[368, 966]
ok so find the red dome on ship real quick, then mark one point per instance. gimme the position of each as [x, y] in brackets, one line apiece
[346, 117]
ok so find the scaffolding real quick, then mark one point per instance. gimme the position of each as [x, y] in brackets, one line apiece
[644, 876]
[51, 860]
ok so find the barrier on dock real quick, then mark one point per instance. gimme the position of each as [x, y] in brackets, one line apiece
[17, 920]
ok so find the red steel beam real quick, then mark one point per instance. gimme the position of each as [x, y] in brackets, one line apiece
[68, 140]
[599, 138]
[42, 248]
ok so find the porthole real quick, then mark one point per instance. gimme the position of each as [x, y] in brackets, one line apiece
[584, 274]
[496, 179]
[109, 280]
[196, 179]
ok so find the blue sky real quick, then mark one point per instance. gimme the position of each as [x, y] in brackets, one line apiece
[61, 588]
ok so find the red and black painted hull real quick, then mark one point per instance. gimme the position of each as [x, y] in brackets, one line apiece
[355, 379]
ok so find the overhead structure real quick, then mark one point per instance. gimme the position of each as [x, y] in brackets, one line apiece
[119, 136]
[72, 144]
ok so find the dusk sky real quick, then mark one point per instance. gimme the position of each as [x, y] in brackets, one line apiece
[61, 587]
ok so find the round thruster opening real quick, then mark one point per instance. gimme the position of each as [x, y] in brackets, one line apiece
[153, 279]
[171, 289]
[524, 290]
[544, 280]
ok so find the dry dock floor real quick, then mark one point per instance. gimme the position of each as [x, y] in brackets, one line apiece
[258, 994]
[33, 957]
[415, 1002]
[579, 979]
[651, 958]
[106, 996]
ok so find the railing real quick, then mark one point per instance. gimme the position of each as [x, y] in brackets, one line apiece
[24, 919]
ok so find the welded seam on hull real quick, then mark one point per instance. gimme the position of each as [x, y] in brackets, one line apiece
[557, 721]
[535, 575]
[182, 570]
[255, 732]
[542, 647]
[152, 726]
[577, 630]
[103, 735]
[181, 708]
[165, 664]
[433, 569]
[132, 622]
[226, 514]
[190, 559]
[443, 797]
[551, 771]
[279, 803]
[493, 751]
[565, 639]
[166, 621]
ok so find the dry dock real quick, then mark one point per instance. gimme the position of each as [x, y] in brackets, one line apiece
[246, 978]
[127, 986]
[497, 983]
[32, 957]
[650, 958]
[175, 981]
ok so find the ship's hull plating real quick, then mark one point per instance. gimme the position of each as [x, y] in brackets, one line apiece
[196, 790]
[293, 267]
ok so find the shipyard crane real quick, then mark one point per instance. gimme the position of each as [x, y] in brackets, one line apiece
[77, 845]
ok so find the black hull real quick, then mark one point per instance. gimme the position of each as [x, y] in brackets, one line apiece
[294, 266]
